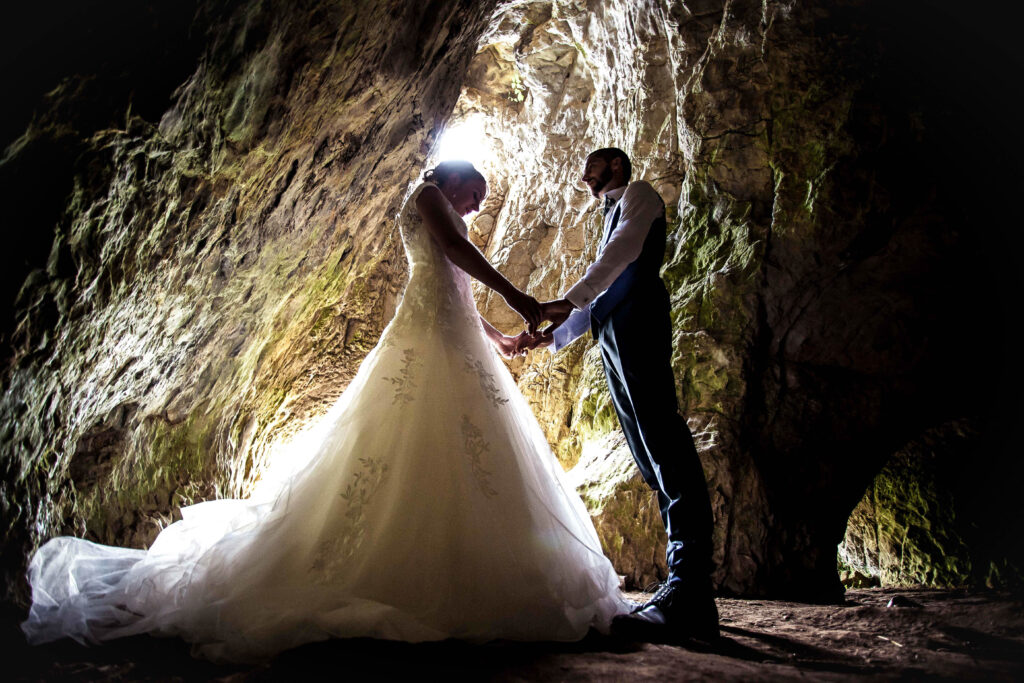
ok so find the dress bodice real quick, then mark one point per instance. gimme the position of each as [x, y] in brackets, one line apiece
[420, 247]
[438, 292]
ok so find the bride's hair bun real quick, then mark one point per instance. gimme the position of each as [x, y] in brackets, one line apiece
[440, 173]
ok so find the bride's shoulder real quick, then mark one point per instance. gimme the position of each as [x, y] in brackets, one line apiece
[426, 193]
[423, 198]
[413, 197]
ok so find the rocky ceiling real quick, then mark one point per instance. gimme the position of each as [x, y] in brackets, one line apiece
[210, 251]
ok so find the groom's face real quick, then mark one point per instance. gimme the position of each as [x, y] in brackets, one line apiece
[597, 173]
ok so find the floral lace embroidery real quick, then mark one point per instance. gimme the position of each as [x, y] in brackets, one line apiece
[487, 382]
[404, 383]
[476, 446]
[357, 494]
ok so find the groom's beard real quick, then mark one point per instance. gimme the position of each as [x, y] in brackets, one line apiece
[602, 181]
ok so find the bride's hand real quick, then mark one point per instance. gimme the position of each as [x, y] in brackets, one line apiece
[527, 307]
[510, 347]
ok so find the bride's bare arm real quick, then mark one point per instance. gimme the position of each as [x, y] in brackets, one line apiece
[460, 251]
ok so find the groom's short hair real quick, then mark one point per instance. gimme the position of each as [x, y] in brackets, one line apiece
[609, 153]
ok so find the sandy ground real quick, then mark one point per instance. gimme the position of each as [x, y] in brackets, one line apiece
[947, 635]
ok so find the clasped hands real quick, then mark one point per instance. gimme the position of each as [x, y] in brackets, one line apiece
[555, 312]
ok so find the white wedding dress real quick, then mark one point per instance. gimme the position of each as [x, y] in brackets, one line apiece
[432, 508]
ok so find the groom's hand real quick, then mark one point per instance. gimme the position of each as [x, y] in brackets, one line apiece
[529, 342]
[510, 347]
[556, 311]
[521, 343]
[543, 337]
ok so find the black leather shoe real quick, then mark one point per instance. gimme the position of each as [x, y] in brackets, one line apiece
[674, 614]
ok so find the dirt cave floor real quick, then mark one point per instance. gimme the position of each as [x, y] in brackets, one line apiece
[952, 635]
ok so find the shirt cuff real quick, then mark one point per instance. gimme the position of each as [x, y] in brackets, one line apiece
[581, 294]
[572, 329]
[560, 339]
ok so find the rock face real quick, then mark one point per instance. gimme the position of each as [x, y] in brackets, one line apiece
[918, 522]
[903, 532]
[214, 272]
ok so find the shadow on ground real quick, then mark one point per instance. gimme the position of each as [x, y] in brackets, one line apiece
[952, 635]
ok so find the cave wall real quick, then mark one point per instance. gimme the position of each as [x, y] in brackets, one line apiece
[215, 269]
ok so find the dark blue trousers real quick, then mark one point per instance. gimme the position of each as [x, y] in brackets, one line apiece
[636, 339]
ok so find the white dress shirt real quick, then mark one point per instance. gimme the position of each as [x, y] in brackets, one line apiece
[639, 205]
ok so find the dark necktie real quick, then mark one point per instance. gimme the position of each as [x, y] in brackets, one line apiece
[609, 204]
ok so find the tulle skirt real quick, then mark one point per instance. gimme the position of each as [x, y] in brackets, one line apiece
[431, 507]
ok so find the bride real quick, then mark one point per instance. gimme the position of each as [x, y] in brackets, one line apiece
[432, 507]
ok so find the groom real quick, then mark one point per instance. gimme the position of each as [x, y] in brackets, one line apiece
[622, 299]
